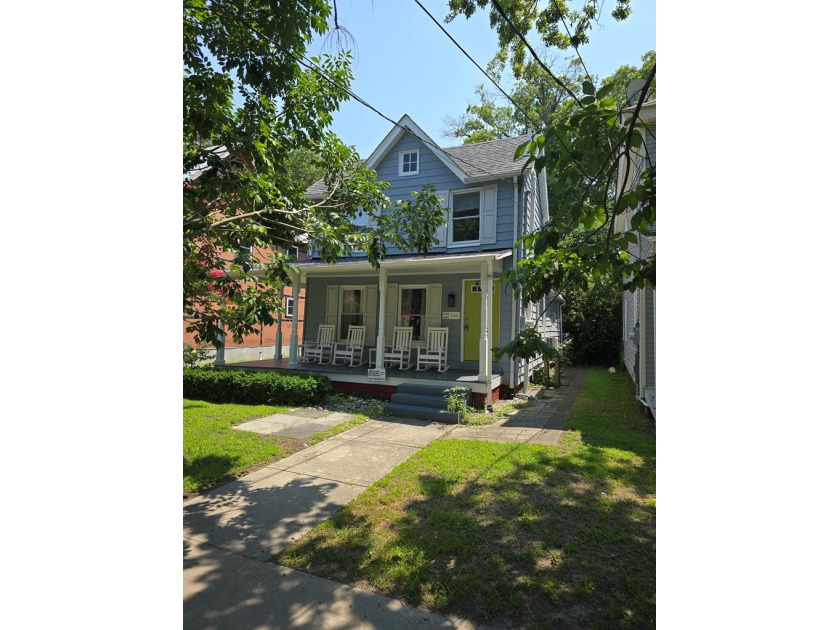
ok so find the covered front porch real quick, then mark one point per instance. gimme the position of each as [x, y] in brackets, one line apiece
[456, 292]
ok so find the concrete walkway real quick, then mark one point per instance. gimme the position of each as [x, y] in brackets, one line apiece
[541, 423]
[231, 534]
[297, 423]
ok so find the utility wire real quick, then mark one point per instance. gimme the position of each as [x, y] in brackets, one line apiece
[484, 72]
[569, 33]
[527, 117]
[534, 54]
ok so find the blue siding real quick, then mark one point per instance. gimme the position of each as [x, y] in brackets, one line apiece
[434, 171]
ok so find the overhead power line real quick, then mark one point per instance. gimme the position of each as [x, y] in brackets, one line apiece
[483, 71]
[534, 54]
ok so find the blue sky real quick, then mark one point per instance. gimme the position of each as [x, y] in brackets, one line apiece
[406, 65]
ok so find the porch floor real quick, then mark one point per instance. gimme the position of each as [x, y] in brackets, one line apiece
[359, 374]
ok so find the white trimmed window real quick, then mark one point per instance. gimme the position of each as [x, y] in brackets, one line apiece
[466, 216]
[351, 310]
[412, 313]
[409, 163]
[290, 306]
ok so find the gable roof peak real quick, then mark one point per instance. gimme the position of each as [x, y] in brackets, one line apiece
[407, 125]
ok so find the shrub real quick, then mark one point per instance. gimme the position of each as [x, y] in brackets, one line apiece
[216, 385]
[592, 320]
[194, 356]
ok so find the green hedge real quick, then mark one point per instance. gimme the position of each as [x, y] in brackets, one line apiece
[216, 385]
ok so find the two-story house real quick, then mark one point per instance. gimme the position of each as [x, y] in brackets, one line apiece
[490, 203]
[639, 307]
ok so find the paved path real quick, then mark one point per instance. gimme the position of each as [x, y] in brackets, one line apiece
[541, 423]
[297, 423]
[231, 534]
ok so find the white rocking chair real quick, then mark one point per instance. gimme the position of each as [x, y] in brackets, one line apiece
[399, 352]
[324, 346]
[435, 351]
[354, 347]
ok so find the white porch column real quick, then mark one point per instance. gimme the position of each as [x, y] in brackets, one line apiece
[380, 333]
[487, 299]
[278, 335]
[220, 353]
[293, 341]
[484, 339]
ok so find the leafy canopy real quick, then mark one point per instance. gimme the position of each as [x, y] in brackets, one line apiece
[256, 131]
[583, 145]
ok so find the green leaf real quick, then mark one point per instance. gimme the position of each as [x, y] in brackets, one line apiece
[588, 88]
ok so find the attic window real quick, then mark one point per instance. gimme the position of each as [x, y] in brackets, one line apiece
[409, 162]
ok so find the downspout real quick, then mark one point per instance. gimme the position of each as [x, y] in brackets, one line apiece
[514, 318]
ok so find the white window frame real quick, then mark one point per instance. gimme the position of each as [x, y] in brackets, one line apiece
[288, 314]
[451, 221]
[341, 289]
[293, 250]
[400, 170]
[424, 327]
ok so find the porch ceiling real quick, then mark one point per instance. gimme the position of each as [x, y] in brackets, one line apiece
[444, 263]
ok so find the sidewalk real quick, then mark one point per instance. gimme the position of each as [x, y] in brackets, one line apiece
[231, 534]
[541, 423]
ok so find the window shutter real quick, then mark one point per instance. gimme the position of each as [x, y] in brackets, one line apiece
[443, 195]
[331, 316]
[370, 314]
[391, 302]
[488, 215]
[433, 305]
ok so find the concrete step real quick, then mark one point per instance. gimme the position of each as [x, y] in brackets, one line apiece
[422, 413]
[423, 390]
[419, 400]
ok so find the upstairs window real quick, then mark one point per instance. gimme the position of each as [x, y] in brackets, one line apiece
[409, 163]
[466, 217]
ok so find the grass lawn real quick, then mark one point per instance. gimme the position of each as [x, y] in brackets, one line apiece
[214, 453]
[511, 534]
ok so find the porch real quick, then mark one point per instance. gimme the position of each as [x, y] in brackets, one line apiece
[355, 380]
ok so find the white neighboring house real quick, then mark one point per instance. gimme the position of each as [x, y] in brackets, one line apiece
[639, 307]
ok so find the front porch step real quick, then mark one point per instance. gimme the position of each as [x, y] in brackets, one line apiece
[425, 402]
[422, 413]
[423, 390]
[418, 400]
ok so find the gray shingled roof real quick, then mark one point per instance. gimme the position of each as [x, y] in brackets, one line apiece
[494, 157]
[482, 160]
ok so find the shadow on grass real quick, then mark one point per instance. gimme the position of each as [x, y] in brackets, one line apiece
[537, 545]
[210, 470]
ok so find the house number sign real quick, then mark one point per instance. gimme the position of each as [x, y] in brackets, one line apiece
[451, 315]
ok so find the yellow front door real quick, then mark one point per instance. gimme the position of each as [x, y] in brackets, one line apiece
[472, 318]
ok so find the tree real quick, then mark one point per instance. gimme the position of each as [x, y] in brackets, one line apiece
[535, 101]
[559, 25]
[580, 151]
[256, 118]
